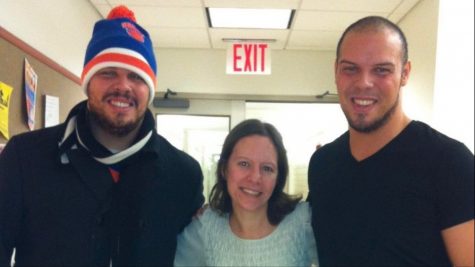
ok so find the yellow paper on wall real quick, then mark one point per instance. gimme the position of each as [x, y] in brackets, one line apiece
[5, 93]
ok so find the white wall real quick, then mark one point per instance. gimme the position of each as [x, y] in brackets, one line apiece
[203, 71]
[440, 91]
[420, 28]
[60, 29]
[454, 78]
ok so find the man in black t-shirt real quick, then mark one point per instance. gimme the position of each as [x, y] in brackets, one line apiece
[390, 191]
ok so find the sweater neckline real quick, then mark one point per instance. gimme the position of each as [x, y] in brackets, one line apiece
[240, 239]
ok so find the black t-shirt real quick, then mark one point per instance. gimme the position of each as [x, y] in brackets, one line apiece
[389, 209]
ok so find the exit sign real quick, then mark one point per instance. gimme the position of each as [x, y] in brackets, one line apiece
[248, 58]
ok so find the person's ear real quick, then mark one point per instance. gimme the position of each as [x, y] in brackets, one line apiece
[335, 69]
[406, 71]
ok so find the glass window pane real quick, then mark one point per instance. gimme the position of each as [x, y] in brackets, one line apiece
[202, 137]
[303, 126]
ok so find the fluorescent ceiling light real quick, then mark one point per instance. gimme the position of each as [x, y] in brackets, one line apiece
[249, 18]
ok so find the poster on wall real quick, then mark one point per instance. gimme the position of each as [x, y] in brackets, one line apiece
[5, 93]
[51, 110]
[31, 82]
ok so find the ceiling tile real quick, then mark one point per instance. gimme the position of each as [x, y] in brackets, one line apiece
[180, 38]
[291, 4]
[186, 17]
[98, 2]
[217, 36]
[103, 9]
[350, 5]
[327, 21]
[316, 25]
[402, 10]
[164, 3]
[315, 40]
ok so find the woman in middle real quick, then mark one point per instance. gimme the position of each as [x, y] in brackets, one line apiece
[250, 221]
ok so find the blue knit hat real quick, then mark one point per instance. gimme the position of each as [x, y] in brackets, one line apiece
[119, 41]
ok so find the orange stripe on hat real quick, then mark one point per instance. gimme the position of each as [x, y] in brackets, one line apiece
[110, 59]
[115, 57]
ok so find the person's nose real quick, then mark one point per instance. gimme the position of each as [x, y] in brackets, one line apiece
[123, 83]
[364, 80]
[255, 174]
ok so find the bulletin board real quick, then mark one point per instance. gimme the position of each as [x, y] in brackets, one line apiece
[53, 80]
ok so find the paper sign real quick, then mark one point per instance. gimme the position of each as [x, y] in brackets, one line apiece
[31, 81]
[5, 93]
[51, 110]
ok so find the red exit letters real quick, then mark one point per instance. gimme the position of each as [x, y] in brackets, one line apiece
[249, 58]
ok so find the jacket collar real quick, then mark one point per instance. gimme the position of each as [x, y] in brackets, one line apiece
[76, 133]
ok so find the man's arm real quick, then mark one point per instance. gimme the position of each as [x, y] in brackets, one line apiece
[459, 242]
[10, 195]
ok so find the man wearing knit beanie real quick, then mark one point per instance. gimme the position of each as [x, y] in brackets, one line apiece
[102, 188]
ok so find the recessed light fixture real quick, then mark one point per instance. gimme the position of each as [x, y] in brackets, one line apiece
[247, 40]
[247, 18]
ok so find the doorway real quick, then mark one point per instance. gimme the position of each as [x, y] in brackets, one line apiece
[303, 126]
[199, 136]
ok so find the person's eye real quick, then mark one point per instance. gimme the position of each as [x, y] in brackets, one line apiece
[349, 69]
[268, 169]
[136, 77]
[107, 73]
[382, 71]
[243, 163]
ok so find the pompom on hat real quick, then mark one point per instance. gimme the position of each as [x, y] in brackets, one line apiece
[119, 41]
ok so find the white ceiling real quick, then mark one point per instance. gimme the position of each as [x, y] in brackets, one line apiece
[317, 24]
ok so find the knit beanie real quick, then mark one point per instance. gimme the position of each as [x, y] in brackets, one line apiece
[119, 41]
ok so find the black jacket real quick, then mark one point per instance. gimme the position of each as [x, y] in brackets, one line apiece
[72, 214]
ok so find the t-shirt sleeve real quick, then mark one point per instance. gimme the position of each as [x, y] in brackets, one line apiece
[456, 189]
[190, 245]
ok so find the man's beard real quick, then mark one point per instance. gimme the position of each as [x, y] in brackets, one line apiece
[116, 128]
[380, 122]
